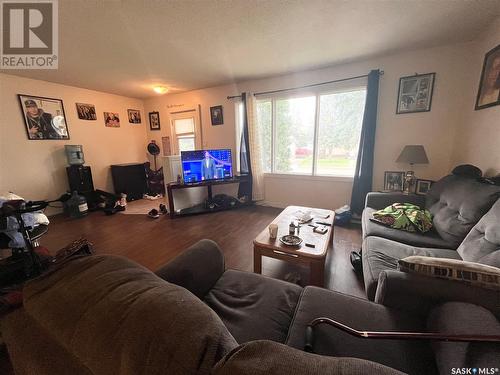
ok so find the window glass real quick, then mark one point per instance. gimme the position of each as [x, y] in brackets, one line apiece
[294, 135]
[186, 143]
[264, 122]
[340, 120]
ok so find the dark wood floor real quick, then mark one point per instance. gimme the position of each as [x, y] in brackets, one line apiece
[153, 243]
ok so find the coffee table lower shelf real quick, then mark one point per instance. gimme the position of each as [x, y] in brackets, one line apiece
[316, 265]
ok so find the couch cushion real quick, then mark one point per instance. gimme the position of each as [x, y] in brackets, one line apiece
[116, 317]
[380, 254]
[429, 239]
[404, 355]
[254, 307]
[482, 244]
[457, 203]
[464, 318]
[268, 357]
[470, 273]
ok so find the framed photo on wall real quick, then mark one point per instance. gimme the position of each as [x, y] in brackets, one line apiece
[44, 118]
[134, 116]
[216, 115]
[394, 180]
[488, 93]
[415, 93]
[111, 119]
[154, 120]
[423, 186]
[86, 111]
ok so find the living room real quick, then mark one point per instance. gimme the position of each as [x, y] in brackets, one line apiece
[300, 122]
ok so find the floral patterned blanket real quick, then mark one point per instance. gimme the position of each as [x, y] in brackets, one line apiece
[404, 216]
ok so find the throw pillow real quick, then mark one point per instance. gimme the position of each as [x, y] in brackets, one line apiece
[452, 269]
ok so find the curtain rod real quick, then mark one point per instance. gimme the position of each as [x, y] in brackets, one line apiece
[306, 86]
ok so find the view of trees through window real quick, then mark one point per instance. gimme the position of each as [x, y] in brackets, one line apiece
[337, 128]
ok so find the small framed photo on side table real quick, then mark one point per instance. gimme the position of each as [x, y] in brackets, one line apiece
[423, 186]
[394, 180]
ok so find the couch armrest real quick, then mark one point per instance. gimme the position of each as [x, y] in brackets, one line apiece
[419, 293]
[378, 200]
[197, 269]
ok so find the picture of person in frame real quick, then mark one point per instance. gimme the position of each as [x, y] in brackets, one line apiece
[39, 122]
[489, 90]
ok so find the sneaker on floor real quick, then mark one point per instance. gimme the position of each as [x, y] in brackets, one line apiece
[356, 262]
[153, 214]
[163, 209]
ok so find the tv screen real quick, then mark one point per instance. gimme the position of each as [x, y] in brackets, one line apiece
[204, 165]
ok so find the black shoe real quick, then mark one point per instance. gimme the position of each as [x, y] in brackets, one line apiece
[153, 214]
[163, 209]
[356, 261]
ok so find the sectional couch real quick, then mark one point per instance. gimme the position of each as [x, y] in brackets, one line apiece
[466, 225]
[108, 315]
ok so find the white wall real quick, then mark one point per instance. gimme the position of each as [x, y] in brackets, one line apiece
[435, 129]
[477, 142]
[452, 132]
[36, 169]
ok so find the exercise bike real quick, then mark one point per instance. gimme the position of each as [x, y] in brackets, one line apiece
[24, 263]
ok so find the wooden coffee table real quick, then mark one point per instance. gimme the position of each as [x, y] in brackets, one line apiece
[314, 258]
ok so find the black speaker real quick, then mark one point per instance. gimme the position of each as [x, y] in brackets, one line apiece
[130, 179]
[80, 178]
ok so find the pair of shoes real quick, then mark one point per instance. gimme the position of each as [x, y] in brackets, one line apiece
[356, 261]
[154, 214]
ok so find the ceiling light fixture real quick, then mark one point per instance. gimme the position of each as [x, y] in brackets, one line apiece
[160, 89]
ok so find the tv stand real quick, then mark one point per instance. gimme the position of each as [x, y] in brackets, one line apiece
[200, 209]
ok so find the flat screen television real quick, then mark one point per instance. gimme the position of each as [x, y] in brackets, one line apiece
[205, 165]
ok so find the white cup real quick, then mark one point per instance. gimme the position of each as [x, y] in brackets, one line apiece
[273, 231]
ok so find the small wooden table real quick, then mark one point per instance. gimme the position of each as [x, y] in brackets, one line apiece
[314, 258]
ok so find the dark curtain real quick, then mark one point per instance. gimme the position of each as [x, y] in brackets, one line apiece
[245, 187]
[363, 174]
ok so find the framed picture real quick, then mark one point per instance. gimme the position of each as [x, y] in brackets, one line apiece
[86, 111]
[154, 120]
[44, 118]
[166, 146]
[423, 186]
[415, 93]
[112, 119]
[394, 181]
[134, 116]
[216, 115]
[488, 94]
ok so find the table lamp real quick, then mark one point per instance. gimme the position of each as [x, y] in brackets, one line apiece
[412, 154]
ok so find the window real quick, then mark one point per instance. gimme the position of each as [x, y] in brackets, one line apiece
[185, 133]
[315, 134]
[186, 130]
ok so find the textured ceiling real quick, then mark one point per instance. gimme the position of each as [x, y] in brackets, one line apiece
[125, 47]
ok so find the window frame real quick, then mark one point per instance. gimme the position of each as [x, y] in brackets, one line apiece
[302, 93]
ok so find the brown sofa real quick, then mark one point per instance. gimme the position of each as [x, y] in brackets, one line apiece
[108, 315]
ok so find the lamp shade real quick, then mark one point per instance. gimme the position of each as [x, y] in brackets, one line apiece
[413, 154]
